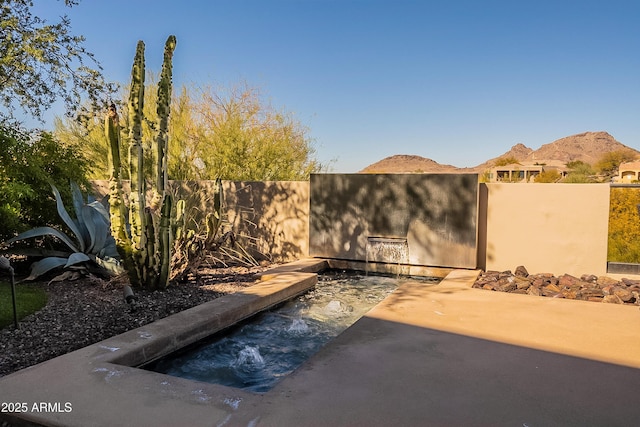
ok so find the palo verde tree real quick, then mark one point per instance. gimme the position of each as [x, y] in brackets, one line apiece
[41, 62]
[609, 163]
[223, 133]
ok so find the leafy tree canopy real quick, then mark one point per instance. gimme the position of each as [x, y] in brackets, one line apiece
[579, 172]
[507, 160]
[29, 164]
[609, 162]
[41, 62]
[227, 133]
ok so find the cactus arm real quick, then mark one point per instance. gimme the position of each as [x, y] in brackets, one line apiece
[163, 110]
[137, 216]
[112, 133]
[117, 209]
[165, 242]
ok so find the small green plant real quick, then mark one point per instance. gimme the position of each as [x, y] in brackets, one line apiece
[29, 299]
[92, 243]
[29, 163]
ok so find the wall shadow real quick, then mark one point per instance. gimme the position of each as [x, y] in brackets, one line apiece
[436, 213]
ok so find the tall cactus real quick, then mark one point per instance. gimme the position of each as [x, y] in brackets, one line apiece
[145, 246]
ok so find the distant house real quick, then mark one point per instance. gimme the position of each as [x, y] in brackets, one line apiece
[628, 172]
[525, 171]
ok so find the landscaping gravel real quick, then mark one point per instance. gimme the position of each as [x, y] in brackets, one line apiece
[85, 311]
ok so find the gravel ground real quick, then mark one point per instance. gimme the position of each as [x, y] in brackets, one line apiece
[82, 312]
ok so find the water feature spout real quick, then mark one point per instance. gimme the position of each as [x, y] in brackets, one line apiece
[389, 250]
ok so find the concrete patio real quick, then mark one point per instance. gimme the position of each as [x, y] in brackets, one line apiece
[444, 355]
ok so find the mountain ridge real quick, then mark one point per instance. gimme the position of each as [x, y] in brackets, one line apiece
[588, 147]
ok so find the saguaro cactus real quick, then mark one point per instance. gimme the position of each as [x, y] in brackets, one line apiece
[144, 239]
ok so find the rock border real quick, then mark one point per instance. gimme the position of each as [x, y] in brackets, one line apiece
[587, 287]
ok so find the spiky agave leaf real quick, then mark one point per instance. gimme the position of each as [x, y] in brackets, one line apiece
[47, 264]
[69, 221]
[97, 226]
[77, 199]
[42, 232]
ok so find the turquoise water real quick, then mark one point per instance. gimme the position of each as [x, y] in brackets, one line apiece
[256, 354]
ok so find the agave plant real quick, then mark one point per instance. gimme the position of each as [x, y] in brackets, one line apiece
[92, 243]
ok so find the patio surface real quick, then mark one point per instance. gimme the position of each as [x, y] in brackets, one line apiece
[444, 355]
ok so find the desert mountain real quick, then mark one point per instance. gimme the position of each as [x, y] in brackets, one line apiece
[407, 163]
[587, 147]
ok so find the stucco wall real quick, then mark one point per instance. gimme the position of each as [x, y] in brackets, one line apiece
[555, 228]
[270, 218]
[433, 215]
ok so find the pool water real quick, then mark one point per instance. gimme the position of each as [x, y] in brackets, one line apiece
[256, 354]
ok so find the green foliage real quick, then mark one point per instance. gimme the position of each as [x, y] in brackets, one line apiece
[507, 160]
[29, 299]
[42, 62]
[624, 225]
[85, 138]
[228, 134]
[92, 242]
[29, 164]
[248, 140]
[579, 173]
[548, 176]
[609, 162]
[578, 178]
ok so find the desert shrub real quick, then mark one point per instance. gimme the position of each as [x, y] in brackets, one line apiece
[609, 162]
[507, 160]
[29, 164]
[624, 225]
[548, 176]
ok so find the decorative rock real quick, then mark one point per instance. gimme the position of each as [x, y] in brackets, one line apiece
[534, 291]
[522, 282]
[605, 281]
[567, 280]
[591, 293]
[612, 299]
[630, 282]
[551, 290]
[506, 284]
[521, 271]
[623, 293]
[587, 288]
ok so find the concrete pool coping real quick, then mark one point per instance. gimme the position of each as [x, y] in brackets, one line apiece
[427, 355]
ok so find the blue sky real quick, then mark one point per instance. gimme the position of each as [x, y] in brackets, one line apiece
[455, 81]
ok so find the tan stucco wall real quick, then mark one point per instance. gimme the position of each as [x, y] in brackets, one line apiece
[270, 218]
[554, 228]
